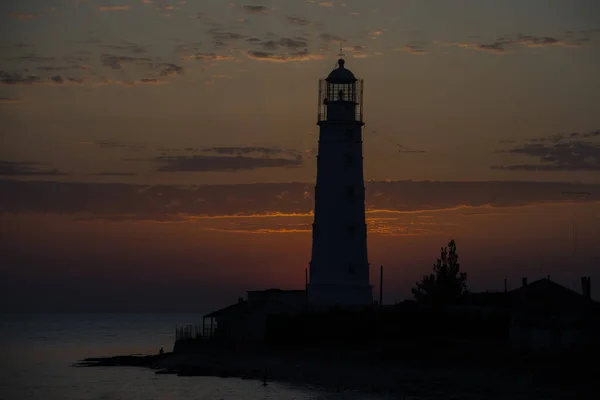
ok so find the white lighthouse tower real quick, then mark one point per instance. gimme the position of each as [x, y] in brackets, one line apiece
[339, 269]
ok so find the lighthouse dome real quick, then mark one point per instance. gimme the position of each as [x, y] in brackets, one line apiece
[341, 74]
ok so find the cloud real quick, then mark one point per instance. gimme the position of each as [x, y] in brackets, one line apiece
[235, 150]
[208, 57]
[117, 62]
[129, 83]
[220, 35]
[62, 67]
[9, 100]
[364, 54]
[393, 208]
[166, 7]
[10, 168]
[559, 152]
[374, 34]
[110, 145]
[359, 51]
[283, 58]
[298, 21]
[168, 69]
[22, 16]
[125, 47]
[113, 174]
[198, 163]
[186, 48]
[325, 4]
[263, 151]
[34, 58]
[15, 46]
[15, 78]
[222, 38]
[293, 44]
[542, 41]
[414, 49]
[502, 44]
[150, 69]
[329, 38]
[114, 8]
[152, 66]
[7, 78]
[255, 9]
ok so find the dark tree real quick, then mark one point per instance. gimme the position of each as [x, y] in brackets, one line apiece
[446, 284]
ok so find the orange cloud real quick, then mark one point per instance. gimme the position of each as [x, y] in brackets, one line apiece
[208, 56]
[412, 49]
[365, 55]
[425, 222]
[374, 34]
[293, 223]
[134, 83]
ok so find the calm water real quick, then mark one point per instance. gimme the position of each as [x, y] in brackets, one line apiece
[38, 351]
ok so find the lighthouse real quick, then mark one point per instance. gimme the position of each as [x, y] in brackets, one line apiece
[339, 267]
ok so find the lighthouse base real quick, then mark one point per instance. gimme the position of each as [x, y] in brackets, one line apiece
[326, 295]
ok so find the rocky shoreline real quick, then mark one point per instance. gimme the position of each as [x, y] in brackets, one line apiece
[363, 373]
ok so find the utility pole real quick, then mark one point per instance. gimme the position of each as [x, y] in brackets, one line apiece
[381, 286]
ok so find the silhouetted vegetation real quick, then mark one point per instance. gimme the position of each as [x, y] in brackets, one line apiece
[447, 284]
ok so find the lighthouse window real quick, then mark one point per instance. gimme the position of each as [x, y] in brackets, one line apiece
[351, 230]
[351, 268]
[349, 134]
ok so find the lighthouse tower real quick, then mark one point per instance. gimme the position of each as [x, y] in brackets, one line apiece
[339, 268]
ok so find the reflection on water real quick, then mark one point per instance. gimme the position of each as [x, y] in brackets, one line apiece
[38, 351]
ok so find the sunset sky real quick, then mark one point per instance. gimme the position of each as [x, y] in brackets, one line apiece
[160, 155]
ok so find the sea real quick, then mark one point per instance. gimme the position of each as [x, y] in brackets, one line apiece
[38, 351]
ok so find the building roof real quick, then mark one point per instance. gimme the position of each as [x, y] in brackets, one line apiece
[240, 306]
[246, 306]
[541, 293]
[341, 74]
[546, 304]
[545, 299]
[551, 293]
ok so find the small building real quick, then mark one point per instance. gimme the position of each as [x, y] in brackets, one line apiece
[246, 320]
[547, 316]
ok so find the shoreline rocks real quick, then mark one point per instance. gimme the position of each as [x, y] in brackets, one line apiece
[150, 361]
[358, 373]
